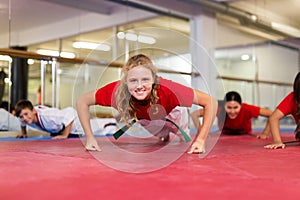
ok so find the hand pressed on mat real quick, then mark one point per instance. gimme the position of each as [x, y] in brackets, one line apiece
[92, 145]
[275, 146]
[197, 147]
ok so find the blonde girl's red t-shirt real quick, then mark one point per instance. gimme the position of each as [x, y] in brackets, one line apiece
[288, 106]
[242, 123]
[171, 94]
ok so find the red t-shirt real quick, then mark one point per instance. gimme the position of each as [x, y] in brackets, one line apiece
[171, 94]
[242, 123]
[288, 106]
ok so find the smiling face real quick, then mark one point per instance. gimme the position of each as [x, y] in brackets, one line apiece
[28, 116]
[139, 82]
[232, 109]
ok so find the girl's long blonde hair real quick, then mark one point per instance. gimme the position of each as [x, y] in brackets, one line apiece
[125, 103]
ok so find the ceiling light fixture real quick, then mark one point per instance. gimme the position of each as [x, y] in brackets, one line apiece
[5, 58]
[131, 36]
[286, 29]
[67, 54]
[253, 18]
[7, 81]
[56, 53]
[146, 39]
[245, 57]
[30, 61]
[121, 35]
[135, 37]
[91, 45]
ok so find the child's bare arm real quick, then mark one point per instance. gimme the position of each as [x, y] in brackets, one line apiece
[66, 132]
[23, 132]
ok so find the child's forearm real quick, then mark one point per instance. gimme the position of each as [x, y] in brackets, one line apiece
[83, 104]
[23, 130]
[23, 133]
[267, 129]
[275, 130]
[67, 130]
[209, 113]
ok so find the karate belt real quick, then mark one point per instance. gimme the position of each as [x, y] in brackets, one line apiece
[122, 130]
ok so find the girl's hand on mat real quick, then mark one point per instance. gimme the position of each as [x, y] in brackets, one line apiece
[197, 147]
[92, 145]
[275, 146]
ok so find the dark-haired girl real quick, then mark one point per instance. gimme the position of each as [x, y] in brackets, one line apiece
[289, 105]
[235, 117]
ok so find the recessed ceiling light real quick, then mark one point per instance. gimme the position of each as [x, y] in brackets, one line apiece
[286, 29]
[56, 53]
[5, 58]
[135, 37]
[131, 36]
[245, 57]
[30, 61]
[146, 39]
[91, 45]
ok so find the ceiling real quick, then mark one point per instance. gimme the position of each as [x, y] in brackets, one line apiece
[42, 23]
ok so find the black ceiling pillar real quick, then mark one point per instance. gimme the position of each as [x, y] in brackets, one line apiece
[19, 78]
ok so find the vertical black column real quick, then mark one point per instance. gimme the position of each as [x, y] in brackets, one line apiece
[3, 75]
[19, 78]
